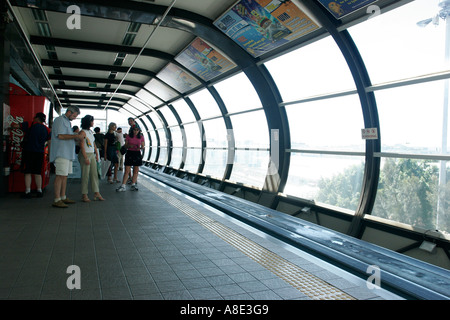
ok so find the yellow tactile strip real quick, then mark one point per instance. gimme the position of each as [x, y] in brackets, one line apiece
[312, 286]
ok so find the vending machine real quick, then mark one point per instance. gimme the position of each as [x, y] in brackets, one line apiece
[23, 108]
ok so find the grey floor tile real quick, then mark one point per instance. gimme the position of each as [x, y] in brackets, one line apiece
[178, 295]
[116, 293]
[229, 289]
[205, 293]
[134, 247]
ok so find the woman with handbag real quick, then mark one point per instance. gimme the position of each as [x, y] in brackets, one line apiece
[111, 152]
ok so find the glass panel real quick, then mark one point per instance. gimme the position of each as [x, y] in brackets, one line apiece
[215, 163]
[410, 49]
[330, 124]
[147, 149]
[215, 133]
[160, 89]
[205, 104]
[138, 105]
[193, 135]
[177, 139]
[156, 120]
[230, 90]
[250, 130]
[176, 157]
[162, 137]
[153, 154]
[183, 111]
[330, 179]
[408, 193]
[147, 123]
[301, 73]
[162, 156]
[250, 167]
[168, 116]
[154, 145]
[148, 97]
[411, 118]
[193, 158]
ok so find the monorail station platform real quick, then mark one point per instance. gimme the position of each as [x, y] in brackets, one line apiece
[155, 244]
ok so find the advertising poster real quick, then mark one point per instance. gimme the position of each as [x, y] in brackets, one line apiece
[340, 8]
[177, 78]
[203, 60]
[260, 26]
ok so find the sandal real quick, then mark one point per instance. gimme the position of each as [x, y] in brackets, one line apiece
[98, 198]
[85, 199]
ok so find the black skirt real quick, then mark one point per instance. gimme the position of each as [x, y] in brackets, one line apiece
[133, 158]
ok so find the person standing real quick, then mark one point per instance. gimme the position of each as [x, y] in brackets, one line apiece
[134, 143]
[99, 141]
[132, 124]
[36, 135]
[121, 140]
[88, 158]
[111, 152]
[62, 153]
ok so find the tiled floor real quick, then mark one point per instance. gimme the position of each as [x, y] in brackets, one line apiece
[152, 244]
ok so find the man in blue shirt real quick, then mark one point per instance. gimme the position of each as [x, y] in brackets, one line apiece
[62, 153]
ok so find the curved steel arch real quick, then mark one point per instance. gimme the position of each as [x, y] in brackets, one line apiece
[183, 135]
[230, 137]
[202, 132]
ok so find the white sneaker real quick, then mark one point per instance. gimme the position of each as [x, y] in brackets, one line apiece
[121, 189]
[134, 187]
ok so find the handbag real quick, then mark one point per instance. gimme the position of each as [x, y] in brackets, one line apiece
[104, 165]
[123, 150]
[99, 169]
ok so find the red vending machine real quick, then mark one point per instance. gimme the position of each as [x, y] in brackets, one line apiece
[23, 108]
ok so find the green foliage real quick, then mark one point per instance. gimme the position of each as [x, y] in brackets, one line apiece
[407, 192]
[343, 190]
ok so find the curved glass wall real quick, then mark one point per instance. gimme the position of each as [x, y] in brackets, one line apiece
[407, 68]
[327, 153]
[413, 186]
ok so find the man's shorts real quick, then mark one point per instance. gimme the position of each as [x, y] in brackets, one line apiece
[32, 162]
[63, 167]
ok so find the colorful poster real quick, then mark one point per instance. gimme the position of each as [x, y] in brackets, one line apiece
[340, 8]
[177, 78]
[203, 60]
[260, 26]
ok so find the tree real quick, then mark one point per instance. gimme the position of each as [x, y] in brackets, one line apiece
[407, 192]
